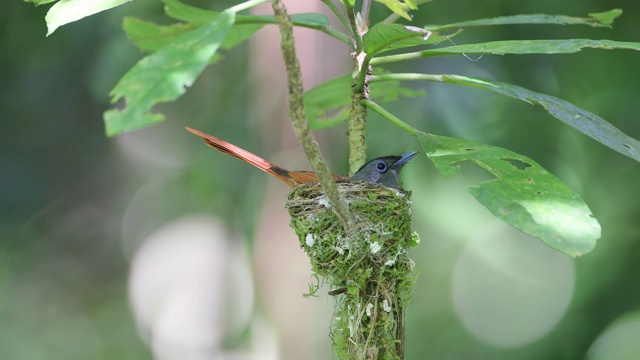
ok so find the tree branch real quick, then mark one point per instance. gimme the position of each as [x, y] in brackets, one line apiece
[299, 120]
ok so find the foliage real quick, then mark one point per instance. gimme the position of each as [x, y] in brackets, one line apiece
[614, 139]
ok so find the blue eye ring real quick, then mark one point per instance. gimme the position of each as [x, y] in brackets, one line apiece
[381, 166]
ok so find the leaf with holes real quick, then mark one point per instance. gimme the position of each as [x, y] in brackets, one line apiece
[164, 75]
[523, 194]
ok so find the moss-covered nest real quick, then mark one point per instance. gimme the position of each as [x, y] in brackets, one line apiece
[368, 270]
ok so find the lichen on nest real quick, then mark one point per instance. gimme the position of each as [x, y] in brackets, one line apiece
[368, 269]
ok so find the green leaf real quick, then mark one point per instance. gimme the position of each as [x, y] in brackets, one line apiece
[413, 4]
[523, 194]
[587, 123]
[40, 2]
[398, 7]
[531, 47]
[164, 75]
[151, 37]
[328, 104]
[384, 37]
[67, 11]
[187, 13]
[604, 19]
[196, 16]
[312, 20]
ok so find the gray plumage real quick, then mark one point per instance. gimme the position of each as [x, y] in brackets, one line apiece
[383, 170]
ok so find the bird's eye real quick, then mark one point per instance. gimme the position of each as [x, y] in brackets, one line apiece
[381, 166]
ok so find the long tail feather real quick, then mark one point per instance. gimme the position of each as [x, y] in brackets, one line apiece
[244, 155]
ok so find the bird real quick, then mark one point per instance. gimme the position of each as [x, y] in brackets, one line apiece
[383, 170]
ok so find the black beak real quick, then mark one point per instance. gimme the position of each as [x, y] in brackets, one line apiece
[404, 158]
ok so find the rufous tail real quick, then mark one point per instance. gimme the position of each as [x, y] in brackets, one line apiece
[244, 155]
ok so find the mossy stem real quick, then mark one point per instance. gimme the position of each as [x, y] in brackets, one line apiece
[299, 120]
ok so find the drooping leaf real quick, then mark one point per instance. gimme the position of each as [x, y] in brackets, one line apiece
[603, 19]
[587, 123]
[164, 75]
[523, 194]
[67, 11]
[531, 47]
[328, 104]
[384, 37]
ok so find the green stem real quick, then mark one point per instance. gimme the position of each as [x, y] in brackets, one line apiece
[354, 27]
[246, 5]
[389, 116]
[299, 120]
[391, 18]
[357, 131]
[406, 77]
[358, 113]
[338, 14]
[408, 56]
[362, 74]
[256, 19]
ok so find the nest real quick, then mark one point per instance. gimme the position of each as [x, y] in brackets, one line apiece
[368, 269]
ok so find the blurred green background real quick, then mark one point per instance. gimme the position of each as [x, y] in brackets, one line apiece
[150, 245]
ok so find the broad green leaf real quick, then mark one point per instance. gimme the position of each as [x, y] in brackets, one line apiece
[151, 37]
[196, 16]
[531, 47]
[604, 19]
[384, 37]
[239, 33]
[328, 104]
[587, 123]
[164, 75]
[523, 194]
[67, 11]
